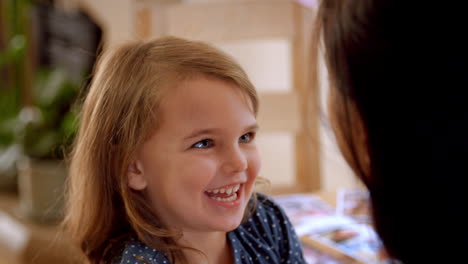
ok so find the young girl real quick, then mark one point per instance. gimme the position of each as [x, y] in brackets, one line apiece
[165, 162]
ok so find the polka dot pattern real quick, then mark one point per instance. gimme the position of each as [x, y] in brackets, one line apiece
[266, 237]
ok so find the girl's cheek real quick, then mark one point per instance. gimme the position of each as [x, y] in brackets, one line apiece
[255, 164]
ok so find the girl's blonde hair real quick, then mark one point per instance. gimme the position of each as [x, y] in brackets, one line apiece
[119, 113]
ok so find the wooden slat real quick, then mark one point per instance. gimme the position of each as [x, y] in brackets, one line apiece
[227, 21]
[307, 140]
[143, 23]
[278, 190]
[279, 112]
[154, 23]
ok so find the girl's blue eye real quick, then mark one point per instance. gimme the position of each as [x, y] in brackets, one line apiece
[206, 143]
[246, 138]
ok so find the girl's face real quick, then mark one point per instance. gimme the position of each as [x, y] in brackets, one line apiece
[199, 167]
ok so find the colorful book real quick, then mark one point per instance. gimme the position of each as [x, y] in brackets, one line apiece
[328, 235]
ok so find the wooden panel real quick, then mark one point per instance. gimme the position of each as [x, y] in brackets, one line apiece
[153, 21]
[143, 23]
[226, 21]
[279, 112]
[277, 152]
[307, 140]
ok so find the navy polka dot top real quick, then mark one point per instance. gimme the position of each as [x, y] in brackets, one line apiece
[266, 237]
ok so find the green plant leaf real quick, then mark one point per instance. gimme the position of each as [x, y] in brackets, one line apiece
[15, 50]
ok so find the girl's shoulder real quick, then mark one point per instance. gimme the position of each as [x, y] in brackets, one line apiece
[268, 222]
[268, 211]
[136, 252]
[267, 236]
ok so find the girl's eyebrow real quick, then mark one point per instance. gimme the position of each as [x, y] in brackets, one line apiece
[253, 127]
[206, 131]
[198, 133]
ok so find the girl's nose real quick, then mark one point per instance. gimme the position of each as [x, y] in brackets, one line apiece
[235, 161]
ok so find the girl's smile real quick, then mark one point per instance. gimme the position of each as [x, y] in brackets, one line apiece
[226, 196]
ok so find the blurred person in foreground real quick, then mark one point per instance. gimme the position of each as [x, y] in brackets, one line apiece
[399, 107]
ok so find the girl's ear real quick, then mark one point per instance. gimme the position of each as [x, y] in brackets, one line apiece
[136, 178]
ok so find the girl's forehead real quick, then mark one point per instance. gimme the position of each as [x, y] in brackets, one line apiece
[205, 102]
[204, 93]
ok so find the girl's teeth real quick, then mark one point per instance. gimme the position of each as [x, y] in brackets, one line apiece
[228, 191]
[228, 199]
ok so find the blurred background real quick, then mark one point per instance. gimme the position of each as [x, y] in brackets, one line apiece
[47, 52]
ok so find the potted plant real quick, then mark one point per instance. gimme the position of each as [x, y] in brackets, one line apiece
[46, 63]
[9, 105]
[45, 130]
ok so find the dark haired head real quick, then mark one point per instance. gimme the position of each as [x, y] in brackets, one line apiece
[398, 74]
